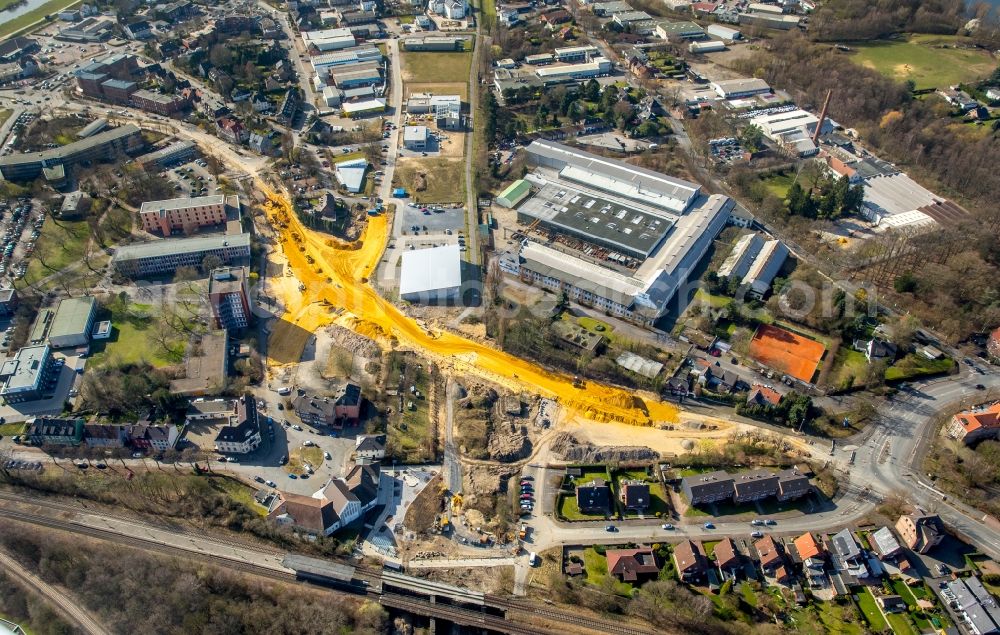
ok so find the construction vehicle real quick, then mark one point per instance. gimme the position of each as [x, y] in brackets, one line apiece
[523, 533]
[577, 382]
[456, 502]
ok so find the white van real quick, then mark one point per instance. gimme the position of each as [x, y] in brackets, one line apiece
[284, 390]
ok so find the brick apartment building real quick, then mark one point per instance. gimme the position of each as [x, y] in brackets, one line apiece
[184, 214]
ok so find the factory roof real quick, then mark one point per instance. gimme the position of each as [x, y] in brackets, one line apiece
[352, 107]
[739, 259]
[618, 177]
[585, 275]
[171, 246]
[426, 270]
[610, 221]
[679, 28]
[736, 86]
[181, 203]
[896, 194]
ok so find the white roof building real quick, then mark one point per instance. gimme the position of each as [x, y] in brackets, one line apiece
[351, 174]
[737, 264]
[329, 39]
[765, 267]
[431, 276]
[734, 88]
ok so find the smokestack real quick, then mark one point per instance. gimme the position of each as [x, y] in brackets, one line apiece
[822, 118]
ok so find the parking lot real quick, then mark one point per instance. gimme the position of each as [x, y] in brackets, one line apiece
[192, 179]
[21, 226]
[436, 220]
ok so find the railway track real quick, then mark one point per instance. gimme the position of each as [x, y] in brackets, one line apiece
[458, 614]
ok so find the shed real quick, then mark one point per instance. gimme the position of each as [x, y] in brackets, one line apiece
[514, 193]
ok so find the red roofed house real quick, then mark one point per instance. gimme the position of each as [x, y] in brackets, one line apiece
[689, 559]
[761, 395]
[232, 130]
[972, 426]
[812, 558]
[727, 558]
[554, 18]
[631, 565]
[704, 7]
[993, 344]
[770, 553]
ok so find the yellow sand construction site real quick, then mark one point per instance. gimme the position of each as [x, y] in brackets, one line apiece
[334, 288]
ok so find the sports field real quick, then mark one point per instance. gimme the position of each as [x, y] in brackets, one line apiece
[931, 61]
[787, 352]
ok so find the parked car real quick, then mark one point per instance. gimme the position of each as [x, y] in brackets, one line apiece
[757, 534]
[709, 526]
[611, 528]
[667, 526]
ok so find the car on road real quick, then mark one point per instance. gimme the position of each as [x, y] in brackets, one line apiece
[709, 526]
[757, 522]
[611, 528]
[232, 459]
[980, 387]
[297, 427]
[271, 484]
[757, 534]
[292, 476]
[666, 526]
[769, 522]
[308, 444]
[259, 479]
[283, 460]
[326, 455]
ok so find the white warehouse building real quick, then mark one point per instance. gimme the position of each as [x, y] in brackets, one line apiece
[431, 276]
[594, 68]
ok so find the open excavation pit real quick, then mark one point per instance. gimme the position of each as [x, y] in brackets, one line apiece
[333, 278]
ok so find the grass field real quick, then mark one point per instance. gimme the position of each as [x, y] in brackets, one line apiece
[133, 340]
[410, 433]
[826, 618]
[778, 184]
[714, 301]
[5, 114]
[916, 366]
[436, 67]
[21, 22]
[298, 457]
[443, 179]
[866, 602]
[569, 510]
[900, 625]
[239, 493]
[59, 246]
[849, 366]
[921, 59]
[11, 429]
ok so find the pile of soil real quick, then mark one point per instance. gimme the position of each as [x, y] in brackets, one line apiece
[356, 344]
[570, 448]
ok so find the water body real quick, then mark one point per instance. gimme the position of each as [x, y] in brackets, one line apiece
[21, 9]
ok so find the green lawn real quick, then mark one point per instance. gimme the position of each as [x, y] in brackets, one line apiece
[406, 19]
[596, 566]
[240, 493]
[714, 301]
[920, 58]
[21, 22]
[436, 66]
[749, 595]
[11, 429]
[866, 602]
[914, 365]
[778, 184]
[568, 509]
[900, 625]
[134, 339]
[59, 246]
[831, 618]
[5, 115]
[849, 368]
[410, 436]
[657, 497]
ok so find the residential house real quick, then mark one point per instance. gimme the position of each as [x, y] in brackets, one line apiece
[792, 485]
[689, 560]
[753, 486]
[761, 395]
[260, 143]
[877, 349]
[370, 447]
[242, 435]
[232, 130]
[339, 503]
[44, 431]
[921, 533]
[96, 435]
[884, 543]
[727, 558]
[553, 19]
[846, 555]
[632, 565]
[593, 497]
[709, 487]
[163, 437]
[635, 494]
[343, 406]
[771, 555]
[972, 426]
[813, 561]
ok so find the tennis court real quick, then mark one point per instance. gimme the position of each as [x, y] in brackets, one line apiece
[788, 352]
